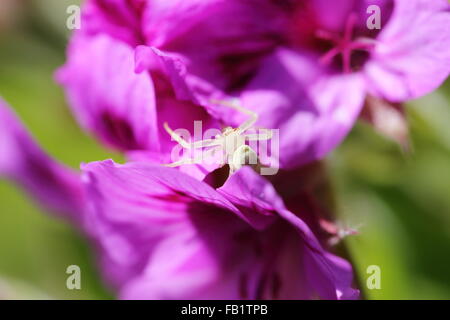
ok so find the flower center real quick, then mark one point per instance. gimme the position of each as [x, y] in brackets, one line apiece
[353, 51]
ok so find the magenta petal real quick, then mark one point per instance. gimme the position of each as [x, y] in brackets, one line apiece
[187, 24]
[185, 85]
[313, 113]
[329, 276]
[222, 41]
[147, 231]
[117, 18]
[165, 179]
[164, 20]
[413, 56]
[164, 235]
[152, 59]
[249, 189]
[107, 96]
[21, 160]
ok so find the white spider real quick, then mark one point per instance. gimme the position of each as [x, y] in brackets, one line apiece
[231, 142]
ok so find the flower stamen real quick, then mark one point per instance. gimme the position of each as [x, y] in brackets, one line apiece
[345, 45]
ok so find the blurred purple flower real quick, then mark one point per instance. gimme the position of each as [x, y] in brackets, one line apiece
[55, 186]
[304, 66]
[161, 234]
[120, 18]
[164, 235]
[124, 109]
[106, 95]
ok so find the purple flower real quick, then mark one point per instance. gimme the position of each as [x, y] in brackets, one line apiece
[107, 97]
[124, 109]
[161, 234]
[304, 66]
[55, 186]
[164, 235]
[120, 18]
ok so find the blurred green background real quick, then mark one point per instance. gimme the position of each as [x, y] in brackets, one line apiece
[400, 201]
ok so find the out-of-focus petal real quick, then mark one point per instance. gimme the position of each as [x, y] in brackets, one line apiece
[248, 189]
[170, 236]
[413, 56]
[107, 96]
[21, 160]
[118, 18]
[166, 23]
[313, 113]
[152, 59]
[329, 276]
[222, 41]
[152, 230]
[333, 16]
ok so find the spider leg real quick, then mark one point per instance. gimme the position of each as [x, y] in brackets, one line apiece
[266, 135]
[189, 145]
[195, 160]
[247, 124]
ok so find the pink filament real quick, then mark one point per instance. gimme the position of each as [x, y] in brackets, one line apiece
[344, 45]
